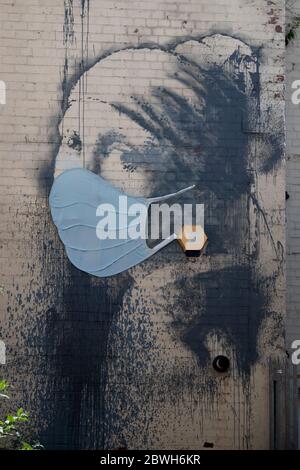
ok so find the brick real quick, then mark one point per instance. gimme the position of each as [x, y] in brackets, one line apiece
[53, 315]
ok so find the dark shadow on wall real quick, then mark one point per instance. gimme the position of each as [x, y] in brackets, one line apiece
[77, 333]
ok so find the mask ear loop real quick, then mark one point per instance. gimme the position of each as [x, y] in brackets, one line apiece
[163, 243]
[164, 198]
[168, 196]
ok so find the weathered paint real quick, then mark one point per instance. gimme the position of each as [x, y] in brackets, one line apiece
[126, 361]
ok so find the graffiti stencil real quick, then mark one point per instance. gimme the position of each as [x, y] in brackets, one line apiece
[191, 117]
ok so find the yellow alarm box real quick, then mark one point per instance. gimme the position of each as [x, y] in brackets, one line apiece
[192, 238]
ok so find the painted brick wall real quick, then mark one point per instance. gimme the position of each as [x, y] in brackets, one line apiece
[293, 167]
[126, 361]
[293, 175]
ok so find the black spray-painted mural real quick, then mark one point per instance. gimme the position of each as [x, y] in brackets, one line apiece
[131, 351]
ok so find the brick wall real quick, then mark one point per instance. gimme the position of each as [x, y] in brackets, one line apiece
[293, 168]
[292, 144]
[126, 361]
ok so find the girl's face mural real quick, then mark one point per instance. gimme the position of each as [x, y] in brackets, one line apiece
[153, 134]
[183, 122]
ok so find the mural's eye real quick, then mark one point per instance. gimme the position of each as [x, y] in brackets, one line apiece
[74, 141]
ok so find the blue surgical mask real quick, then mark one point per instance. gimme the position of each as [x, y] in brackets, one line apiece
[75, 196]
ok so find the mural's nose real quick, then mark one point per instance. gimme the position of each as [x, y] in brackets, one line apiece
[192, 239]
[66, 159]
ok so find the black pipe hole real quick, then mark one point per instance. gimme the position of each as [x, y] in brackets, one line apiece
[221, 363]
